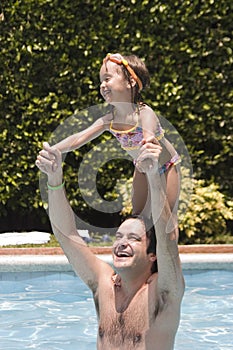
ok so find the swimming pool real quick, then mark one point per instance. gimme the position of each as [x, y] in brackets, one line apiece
[55, 311]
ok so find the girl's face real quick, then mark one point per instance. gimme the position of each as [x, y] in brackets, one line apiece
[113, 85]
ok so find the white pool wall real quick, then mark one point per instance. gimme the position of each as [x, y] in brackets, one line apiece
[59, 263]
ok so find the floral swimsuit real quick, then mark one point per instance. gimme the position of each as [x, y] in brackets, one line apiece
[131, 140]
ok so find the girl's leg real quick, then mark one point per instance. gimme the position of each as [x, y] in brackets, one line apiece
[173, 193]
[140, 195]
[173, 187]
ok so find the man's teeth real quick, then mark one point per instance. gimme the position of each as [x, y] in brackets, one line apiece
[123, 254]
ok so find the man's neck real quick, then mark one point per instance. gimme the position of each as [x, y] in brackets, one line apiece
[129, 283]
[126, 288]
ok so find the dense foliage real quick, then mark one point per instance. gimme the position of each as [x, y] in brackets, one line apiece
[205, 220]
[203, 214]
[50, 56]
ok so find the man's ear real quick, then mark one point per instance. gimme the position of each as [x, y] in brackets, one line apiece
[152, 257]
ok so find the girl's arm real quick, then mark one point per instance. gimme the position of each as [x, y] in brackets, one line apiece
[81, 138]
[149, 122]
[151, 127]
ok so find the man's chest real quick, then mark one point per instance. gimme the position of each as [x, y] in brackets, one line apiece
[126, 323]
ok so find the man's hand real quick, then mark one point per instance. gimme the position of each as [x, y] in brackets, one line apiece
[149, 155]
[49, 161]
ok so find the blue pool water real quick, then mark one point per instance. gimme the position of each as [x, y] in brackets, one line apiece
[55, 311]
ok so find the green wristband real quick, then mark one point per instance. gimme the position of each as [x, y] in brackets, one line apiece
[54, 188]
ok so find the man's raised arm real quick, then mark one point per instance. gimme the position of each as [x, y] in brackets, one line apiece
[170, 277]
[62, 219]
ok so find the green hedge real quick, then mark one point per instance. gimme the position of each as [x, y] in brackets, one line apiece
[208, 212]
[203, 214]
[51, 52]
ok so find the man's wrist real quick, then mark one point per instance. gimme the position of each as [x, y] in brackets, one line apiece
[153, 170]
[55, 180]
[54, 188]
[153, 176]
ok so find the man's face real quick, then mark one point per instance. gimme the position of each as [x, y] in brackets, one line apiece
[129, 248]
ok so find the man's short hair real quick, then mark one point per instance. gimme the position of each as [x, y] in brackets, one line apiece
[150, 234]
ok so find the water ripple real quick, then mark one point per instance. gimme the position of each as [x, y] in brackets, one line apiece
[57, 312]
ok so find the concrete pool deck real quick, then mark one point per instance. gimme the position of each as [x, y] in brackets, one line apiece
[193, 257]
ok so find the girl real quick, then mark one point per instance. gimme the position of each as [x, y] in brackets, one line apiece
[132, 122]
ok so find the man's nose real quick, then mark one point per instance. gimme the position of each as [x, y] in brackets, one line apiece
[123, 243]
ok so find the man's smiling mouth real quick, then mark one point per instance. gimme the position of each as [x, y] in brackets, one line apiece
[123, 253]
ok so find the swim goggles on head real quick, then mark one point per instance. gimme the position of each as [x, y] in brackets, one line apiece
[118, 59]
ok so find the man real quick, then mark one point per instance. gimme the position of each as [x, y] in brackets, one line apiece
[137, 307]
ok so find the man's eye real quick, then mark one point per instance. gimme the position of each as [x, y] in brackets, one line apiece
[118, 237]
[135, 238]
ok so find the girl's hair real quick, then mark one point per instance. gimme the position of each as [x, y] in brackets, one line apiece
[141, 71]
[151, 236]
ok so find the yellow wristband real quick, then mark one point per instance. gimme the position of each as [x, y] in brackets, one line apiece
[54, 188]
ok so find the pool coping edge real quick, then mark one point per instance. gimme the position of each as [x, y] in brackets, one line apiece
[59, 263]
